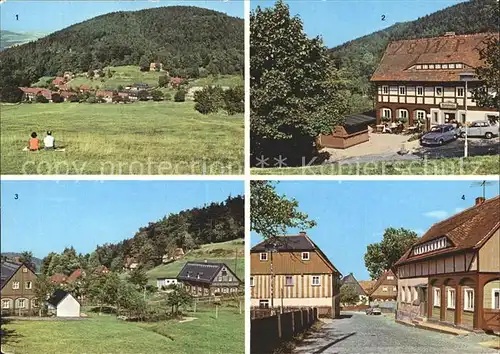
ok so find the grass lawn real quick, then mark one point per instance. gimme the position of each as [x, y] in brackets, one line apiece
[224, 252]
[475, 165]
[140, 138]
[107, 335]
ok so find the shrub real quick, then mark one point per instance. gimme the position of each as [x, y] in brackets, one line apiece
[142, 95]
[41, 99]
[11, 94]
[57, 98]
[74, 98]
[209, 100]
[234, 100]
[167, 96]
[180, 96]
[157, 95]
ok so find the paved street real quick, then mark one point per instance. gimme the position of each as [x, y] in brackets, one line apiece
[359, 333]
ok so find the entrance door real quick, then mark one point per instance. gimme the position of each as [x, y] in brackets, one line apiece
[423, 302]
[449, 117]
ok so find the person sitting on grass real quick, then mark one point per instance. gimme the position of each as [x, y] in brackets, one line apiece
[33, 143]
[49, 141]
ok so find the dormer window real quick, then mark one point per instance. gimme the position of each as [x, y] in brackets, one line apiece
[431, 246]
[305, 256]
[263, 256]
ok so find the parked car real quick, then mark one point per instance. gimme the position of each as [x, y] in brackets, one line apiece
[481, 128]
[439, 134]
[373, 311]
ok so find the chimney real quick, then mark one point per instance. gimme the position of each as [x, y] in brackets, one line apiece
[479, 200]
[302, 233]
[449, 34]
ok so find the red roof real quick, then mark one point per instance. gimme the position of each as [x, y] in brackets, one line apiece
[58, 278]
[176, 80]
[104, 93]
[75, 275]
[397, 63]
[469, 229]
[382, 279]
[67, 94]
[59, 81]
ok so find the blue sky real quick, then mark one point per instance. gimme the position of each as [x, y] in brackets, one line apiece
[352, 214]
[339, 21]
[50, 16]
[51, 215]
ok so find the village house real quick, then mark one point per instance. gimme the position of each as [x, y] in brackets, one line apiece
[68, 75]
[62, 304]
[174, 255]
[154, 66]
[58, 278]
[294, 272]
[176, 81]
[350, 280]
[84, 88]
[367, 285]
[164, 282]
[452, 274]
[106, 95]
[30, 93]
[353, 131]
[58, 81]
[420, 80]
[206, 279]
[385, 288]
[17, 289]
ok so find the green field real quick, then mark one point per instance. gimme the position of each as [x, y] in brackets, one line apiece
[108, 335]
[146, 138]
[475, 165]
[224, 252]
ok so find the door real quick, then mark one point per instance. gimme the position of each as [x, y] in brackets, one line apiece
[423, 302]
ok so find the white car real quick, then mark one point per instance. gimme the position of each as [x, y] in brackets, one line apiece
[480, 128]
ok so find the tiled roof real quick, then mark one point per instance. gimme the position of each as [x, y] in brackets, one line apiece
[8, 269]
[75, 275]
[400, 56]
[58, 278]
[468, 229]
[367, 285]
[204, 272]
[351, 280]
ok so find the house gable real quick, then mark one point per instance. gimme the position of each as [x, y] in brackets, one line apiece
[19, 273]
[489, 261]
[225, 275]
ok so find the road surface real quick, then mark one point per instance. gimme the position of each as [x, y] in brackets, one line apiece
[359, 333]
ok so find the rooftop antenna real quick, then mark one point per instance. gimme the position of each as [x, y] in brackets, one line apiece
[482, 184]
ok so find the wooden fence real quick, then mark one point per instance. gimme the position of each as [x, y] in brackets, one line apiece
[268, 332]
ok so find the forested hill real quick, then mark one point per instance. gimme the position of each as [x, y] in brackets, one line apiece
[188, 229]
[183, 38]
[361, 56]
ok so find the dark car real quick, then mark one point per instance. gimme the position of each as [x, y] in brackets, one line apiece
[439, 134]
[373, 311]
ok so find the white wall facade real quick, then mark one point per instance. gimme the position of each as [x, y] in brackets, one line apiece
[298, 302]
[68, 307]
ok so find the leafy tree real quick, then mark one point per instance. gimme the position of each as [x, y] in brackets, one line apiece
[144, 63]
[177, 298]
[209, 100]
[163, 80]
[489, 73]
[94, 261]
[109, 74]
[157, 95]
[11, 94]
[90, 73]
[26, 257]
[381, 256]
[120, 88]
[348, 295]
[142, 95]
[234, 100]
[42, 288]
[296, 92]
[138, 277]
[41, 99]
[103, 289]
[272, 214]
[180, 96]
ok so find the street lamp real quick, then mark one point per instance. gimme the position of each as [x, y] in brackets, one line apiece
[466, 77]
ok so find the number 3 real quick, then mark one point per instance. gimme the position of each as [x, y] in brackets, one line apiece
[16, 196]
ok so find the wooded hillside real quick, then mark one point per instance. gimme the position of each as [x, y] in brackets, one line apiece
[185, 39]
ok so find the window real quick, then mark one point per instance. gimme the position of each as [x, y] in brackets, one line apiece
[263, 256]
[386, 112]
[5, 304]
[431, 66]
[390, 277]
[460, 92]
[495, 299]
[305, 256]
[444, 66]
[385, 90]
[469, 299]
[403, 113]
[264, 304]
[384, 288]
[225, 290]
[394, 288]
[425, 66]
[419, 67]
[15, 285]
[20, 303]
[408, 295]
[251, 282]
[288, 280]
[451, 298]
[420, 115]
[438, 66]
[437, 297]
[435, 119]
[459, 66]
[451, 66]
[223, 273]
[28, 285]
[420, 91]
[402, 90]
[25, 270]
[438, 91]
[315, 280]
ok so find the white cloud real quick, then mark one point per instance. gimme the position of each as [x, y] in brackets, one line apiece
[436, 214]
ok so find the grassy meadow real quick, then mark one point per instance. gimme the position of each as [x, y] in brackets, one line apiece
[224, 252]
[107, 335]
[140, 138]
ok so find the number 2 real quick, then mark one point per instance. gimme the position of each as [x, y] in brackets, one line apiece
[383, 17]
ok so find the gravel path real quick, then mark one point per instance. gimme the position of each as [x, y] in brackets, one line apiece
[359, 333]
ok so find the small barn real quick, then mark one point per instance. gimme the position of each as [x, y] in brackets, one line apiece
[160, 282]
[63, 304]
[354, 131]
